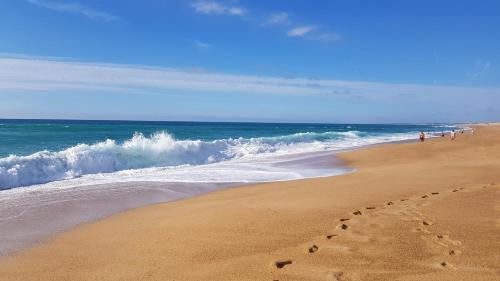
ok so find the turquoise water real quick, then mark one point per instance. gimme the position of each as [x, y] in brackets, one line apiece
[24, 137]
[42, 151]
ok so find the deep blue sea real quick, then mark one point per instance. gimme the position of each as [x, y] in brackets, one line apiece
[44, 151]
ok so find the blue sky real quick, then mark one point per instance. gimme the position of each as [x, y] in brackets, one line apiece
[287, 61]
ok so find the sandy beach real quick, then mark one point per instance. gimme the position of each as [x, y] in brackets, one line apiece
[411, 211]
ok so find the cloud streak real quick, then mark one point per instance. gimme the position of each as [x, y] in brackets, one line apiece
[202, 46]
[75, 8]
[216, 8]
[312, 33]
[283, 19]
[23, 74]
[278, 18]
[300, 31]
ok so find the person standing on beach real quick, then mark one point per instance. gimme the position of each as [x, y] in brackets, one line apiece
[472, 131]
[422, 136]
[452, 135]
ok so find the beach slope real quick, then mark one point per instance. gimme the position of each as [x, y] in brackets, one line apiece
[411, 211]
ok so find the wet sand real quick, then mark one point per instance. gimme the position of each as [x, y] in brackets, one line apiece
[412, 211]
[31, 215]
[28, 217]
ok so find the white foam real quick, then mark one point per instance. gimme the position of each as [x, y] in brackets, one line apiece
[161, 157]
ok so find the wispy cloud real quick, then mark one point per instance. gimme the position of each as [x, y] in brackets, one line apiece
[313, 33]
[300, 31]
[278, 18]
[202, 45]
[75, 8]
[283, 20]
[216, 8]
[49, 75]
[306, 31]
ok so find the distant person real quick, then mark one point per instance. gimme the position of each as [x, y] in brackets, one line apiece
[442, 134]
[462, 131]
[472, 131]
[422, 136]
[452, 135]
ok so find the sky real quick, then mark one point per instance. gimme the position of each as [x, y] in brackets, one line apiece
[240, 60]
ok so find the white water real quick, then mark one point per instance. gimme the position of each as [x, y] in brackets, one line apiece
[163, 158]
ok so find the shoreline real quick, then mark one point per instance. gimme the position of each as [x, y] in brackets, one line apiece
[287, 221]
[20, 237]
[69, 208]
[161, 156]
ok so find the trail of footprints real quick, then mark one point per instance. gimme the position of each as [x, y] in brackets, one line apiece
[452, 246]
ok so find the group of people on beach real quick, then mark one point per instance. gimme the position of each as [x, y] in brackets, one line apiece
[453, 134]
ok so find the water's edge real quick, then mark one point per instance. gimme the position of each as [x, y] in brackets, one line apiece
[33, 216]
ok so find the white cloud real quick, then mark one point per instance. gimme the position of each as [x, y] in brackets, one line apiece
[278, 18]
[75, 8]
[202, 45]
[300, 31]
[310, 32]
[39, 75]
[216, 8]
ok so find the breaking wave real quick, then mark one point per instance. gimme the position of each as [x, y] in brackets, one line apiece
[163, 150]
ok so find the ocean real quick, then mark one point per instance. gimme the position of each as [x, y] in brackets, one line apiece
[70, 153]
[57, 174]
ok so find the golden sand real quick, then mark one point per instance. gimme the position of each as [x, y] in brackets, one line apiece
[414, 211]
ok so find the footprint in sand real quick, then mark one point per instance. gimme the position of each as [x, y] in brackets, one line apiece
[344, 226]
[439, 236]
[427, 223]
[283, 263]
[331, 236]
[405, 199]
[424, 196]
[435, 193]
[444, 264]
[344, 219]
[357, 213]
[370, 208]
[422, 230]
[389, 203]
[455, 190]
[313, 249]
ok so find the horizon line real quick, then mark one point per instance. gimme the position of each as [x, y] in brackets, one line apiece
[250, 122]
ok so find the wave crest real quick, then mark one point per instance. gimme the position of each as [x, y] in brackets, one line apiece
[159, 150]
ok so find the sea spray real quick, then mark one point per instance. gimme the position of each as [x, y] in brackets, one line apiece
[161, 149]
